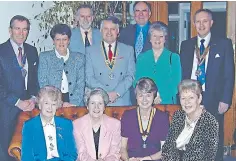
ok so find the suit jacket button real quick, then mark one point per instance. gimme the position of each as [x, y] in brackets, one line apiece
[70, 83]
[71, 94]
[120, 73]
[64, 63]
[100, 73]
[107, 84]
[66, 72]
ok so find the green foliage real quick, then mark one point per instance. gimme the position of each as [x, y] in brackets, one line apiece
[64, 11]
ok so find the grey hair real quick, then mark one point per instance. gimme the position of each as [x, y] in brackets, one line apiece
[159, 26]
[97, 91]
[113, 19]
[190, 84]
[51, 92]
[84, 6]
[209, 12]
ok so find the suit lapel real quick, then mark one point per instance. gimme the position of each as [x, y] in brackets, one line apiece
[94, 37]
[102, 137]
[88, 134]
[210, 63]
[190, 57]
[14, 62]
[80, 37]
[40, 142]
[59, 135]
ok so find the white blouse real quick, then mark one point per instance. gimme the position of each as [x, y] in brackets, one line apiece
[186, 134]
[49, 130]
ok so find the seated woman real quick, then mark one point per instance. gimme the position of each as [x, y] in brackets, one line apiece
[46, 136]
[62, 68]
[193, 134]
[144, 128]
[160, 64]
[97, 135]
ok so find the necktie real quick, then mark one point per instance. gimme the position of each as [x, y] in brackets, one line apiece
[87, 43]
[110, 54]
[139, 43]
[202, 77]
[19, 57]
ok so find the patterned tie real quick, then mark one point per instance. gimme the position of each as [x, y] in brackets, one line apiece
[19, 57]
[139, 43]
[87, 43]
[110, 54]
[202, 77]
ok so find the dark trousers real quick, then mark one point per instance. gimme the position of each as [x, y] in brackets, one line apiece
[220, 151]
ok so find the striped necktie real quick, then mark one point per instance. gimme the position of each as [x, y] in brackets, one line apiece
[202, 77]
[139, 43]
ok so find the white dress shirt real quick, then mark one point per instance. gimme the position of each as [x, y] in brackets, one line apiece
[195, 61]
[15, 48]
[64, 82]
[112, 47]
[89, 35]
[49, 129]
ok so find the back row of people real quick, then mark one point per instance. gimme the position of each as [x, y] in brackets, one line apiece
[205, 58]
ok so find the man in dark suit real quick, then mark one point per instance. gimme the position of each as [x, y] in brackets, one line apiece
[18, 79]
[137, 35]
[211, 61]
[84, 35]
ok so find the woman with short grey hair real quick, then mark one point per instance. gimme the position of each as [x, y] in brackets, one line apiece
[193, 134]
[160, 64]
[97, 91]
[46, 136]
[97, 135]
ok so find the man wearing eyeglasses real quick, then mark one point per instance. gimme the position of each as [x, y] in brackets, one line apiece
[18, 79]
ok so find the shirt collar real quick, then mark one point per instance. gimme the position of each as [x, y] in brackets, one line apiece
[106, 44]
[82, 30]
[206, 38]
[144, 28]
[15, 46]
[44, 123]
[64, 57]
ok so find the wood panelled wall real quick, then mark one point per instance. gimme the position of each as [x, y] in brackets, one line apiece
[230, 116]
[160, 13]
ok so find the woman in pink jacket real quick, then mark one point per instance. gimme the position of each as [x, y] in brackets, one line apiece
[97, 135]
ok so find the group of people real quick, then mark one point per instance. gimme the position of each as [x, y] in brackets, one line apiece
[142, 134]
[111, 68]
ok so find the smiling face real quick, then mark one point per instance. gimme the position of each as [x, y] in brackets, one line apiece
[109, 31]
[96, 106]
[203, 23]
[48, 107]
[19, 31]
[61, 43]
[85, 18]
[190, 101]
[144, 99]
[141, 13]
[157, 39]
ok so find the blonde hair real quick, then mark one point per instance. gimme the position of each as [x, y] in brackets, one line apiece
[190, 84]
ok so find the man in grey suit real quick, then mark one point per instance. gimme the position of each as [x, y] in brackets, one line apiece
[110, 65]
[84, 35]
[137, 35]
